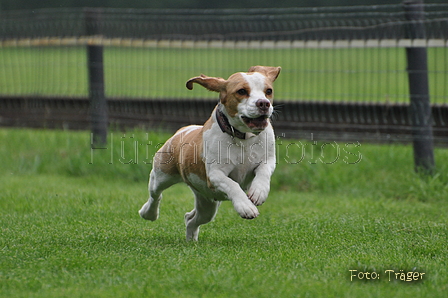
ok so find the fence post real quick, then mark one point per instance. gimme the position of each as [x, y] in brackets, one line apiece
[98, 104]
[420, 108]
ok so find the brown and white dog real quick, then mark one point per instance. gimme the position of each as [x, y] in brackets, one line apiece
[233, 152]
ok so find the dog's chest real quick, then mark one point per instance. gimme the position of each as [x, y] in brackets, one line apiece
[238, 158]
[244, 155]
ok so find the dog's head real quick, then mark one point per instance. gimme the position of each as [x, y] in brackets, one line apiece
[246, 97]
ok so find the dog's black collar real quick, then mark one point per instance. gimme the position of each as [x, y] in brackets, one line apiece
[225, 126]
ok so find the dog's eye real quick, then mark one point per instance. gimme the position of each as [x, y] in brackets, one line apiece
[242, 92]
[269, 91]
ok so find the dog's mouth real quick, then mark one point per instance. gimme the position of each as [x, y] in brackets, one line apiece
[256, 124]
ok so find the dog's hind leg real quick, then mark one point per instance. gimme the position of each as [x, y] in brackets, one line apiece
[158, 182]
[204, 212]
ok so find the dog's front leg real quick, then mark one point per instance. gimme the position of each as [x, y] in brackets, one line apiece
[241, 203]
[260, 187]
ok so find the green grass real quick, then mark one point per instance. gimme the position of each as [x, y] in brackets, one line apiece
[354, 74]
[70, 228]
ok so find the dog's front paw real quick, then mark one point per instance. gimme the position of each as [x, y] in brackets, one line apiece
[246, 209]
[258, 194]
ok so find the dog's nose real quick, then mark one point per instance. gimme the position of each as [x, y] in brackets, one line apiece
[263, 104]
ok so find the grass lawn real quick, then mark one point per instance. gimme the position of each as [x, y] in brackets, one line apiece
[70, 228]
[353, 74]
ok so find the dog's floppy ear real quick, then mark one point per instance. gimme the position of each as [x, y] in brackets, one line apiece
[270, 72]
[211, 83]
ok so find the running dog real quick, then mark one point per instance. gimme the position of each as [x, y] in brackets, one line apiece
[231, 157]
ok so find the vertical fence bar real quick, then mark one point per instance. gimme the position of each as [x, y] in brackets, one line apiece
[98, 104]
[420, 108]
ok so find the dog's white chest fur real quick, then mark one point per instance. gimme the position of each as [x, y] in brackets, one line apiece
[237, 158]
[231, 157]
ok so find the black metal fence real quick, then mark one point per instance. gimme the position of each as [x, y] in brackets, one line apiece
[298, 30]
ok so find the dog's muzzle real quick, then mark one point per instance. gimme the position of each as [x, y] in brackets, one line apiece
[260, 121]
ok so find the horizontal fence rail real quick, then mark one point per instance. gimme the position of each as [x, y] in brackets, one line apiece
[220, 44]
[384, 123]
